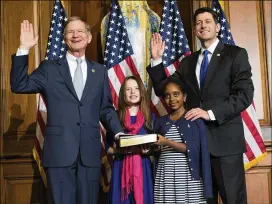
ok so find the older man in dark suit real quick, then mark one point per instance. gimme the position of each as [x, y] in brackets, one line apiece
[217, 79]
[77, 94]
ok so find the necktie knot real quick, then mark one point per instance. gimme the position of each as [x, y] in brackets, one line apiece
[79, 61]
[205, 53]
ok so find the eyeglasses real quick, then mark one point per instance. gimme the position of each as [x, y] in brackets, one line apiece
[71, 32]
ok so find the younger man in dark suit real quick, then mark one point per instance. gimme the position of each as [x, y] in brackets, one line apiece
[218, 83]
[77, 95]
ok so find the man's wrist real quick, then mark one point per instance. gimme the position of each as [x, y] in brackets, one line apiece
[24, 47]
[155, 62]
[21, 52]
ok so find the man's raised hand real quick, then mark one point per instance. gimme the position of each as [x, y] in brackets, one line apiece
[157, 46]
[27, 38]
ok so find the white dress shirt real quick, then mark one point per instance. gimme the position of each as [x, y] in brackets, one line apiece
[71, 62]
[197, 72]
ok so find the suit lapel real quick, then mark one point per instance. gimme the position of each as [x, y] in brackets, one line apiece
[90, 72]
[215, 60]
[192, 70]
[65, 72]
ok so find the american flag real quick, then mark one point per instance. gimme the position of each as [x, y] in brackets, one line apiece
[172, 32]
[118, 54]
[56, 49]
[176, 46]
[254, 142]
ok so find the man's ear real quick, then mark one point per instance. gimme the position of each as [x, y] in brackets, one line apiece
[218, 26]
[89, 38]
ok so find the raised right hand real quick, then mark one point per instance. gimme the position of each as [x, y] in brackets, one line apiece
[157, 46]
[27, 37]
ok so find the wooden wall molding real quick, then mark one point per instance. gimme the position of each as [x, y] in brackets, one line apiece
[263, 64]
[258, 179]
[20, 181]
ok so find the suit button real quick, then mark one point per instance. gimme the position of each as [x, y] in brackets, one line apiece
[81, 105]
[81, 124]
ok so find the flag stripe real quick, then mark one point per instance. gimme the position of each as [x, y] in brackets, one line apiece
[250, 145]
[256, 141]
[119, 73]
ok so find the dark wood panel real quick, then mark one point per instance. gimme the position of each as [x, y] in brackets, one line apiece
[18, 115]
[21, 182]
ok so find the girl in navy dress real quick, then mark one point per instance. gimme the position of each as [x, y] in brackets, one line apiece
[132, 179]
[183, 173]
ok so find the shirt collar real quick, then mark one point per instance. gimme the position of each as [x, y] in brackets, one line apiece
[71, 57]
[212, 47]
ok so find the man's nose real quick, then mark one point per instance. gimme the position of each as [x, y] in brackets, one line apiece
[75, 34]
[203, 25]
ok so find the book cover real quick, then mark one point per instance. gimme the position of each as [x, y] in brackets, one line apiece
[126, 140]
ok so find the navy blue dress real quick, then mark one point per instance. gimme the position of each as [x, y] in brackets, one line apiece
[115, 184]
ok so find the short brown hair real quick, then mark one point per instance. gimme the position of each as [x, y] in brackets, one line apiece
[77, 18]
[206, 10]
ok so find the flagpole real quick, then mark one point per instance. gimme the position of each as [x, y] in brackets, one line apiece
[66, 6]
[36, 47]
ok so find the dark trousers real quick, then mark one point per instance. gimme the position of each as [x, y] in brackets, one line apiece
[76, 184]
[228, 177]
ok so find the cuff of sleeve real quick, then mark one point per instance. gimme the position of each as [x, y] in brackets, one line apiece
[154, 63]
[211, 115]
[21, 52]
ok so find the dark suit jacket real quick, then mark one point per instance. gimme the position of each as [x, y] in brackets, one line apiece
[228, 90]
[72, 124]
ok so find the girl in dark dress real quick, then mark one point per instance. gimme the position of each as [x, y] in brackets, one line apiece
[131, 180]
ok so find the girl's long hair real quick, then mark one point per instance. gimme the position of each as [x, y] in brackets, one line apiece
[143, 103]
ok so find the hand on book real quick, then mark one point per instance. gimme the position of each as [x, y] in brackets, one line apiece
[161, 140]
[145, 148]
